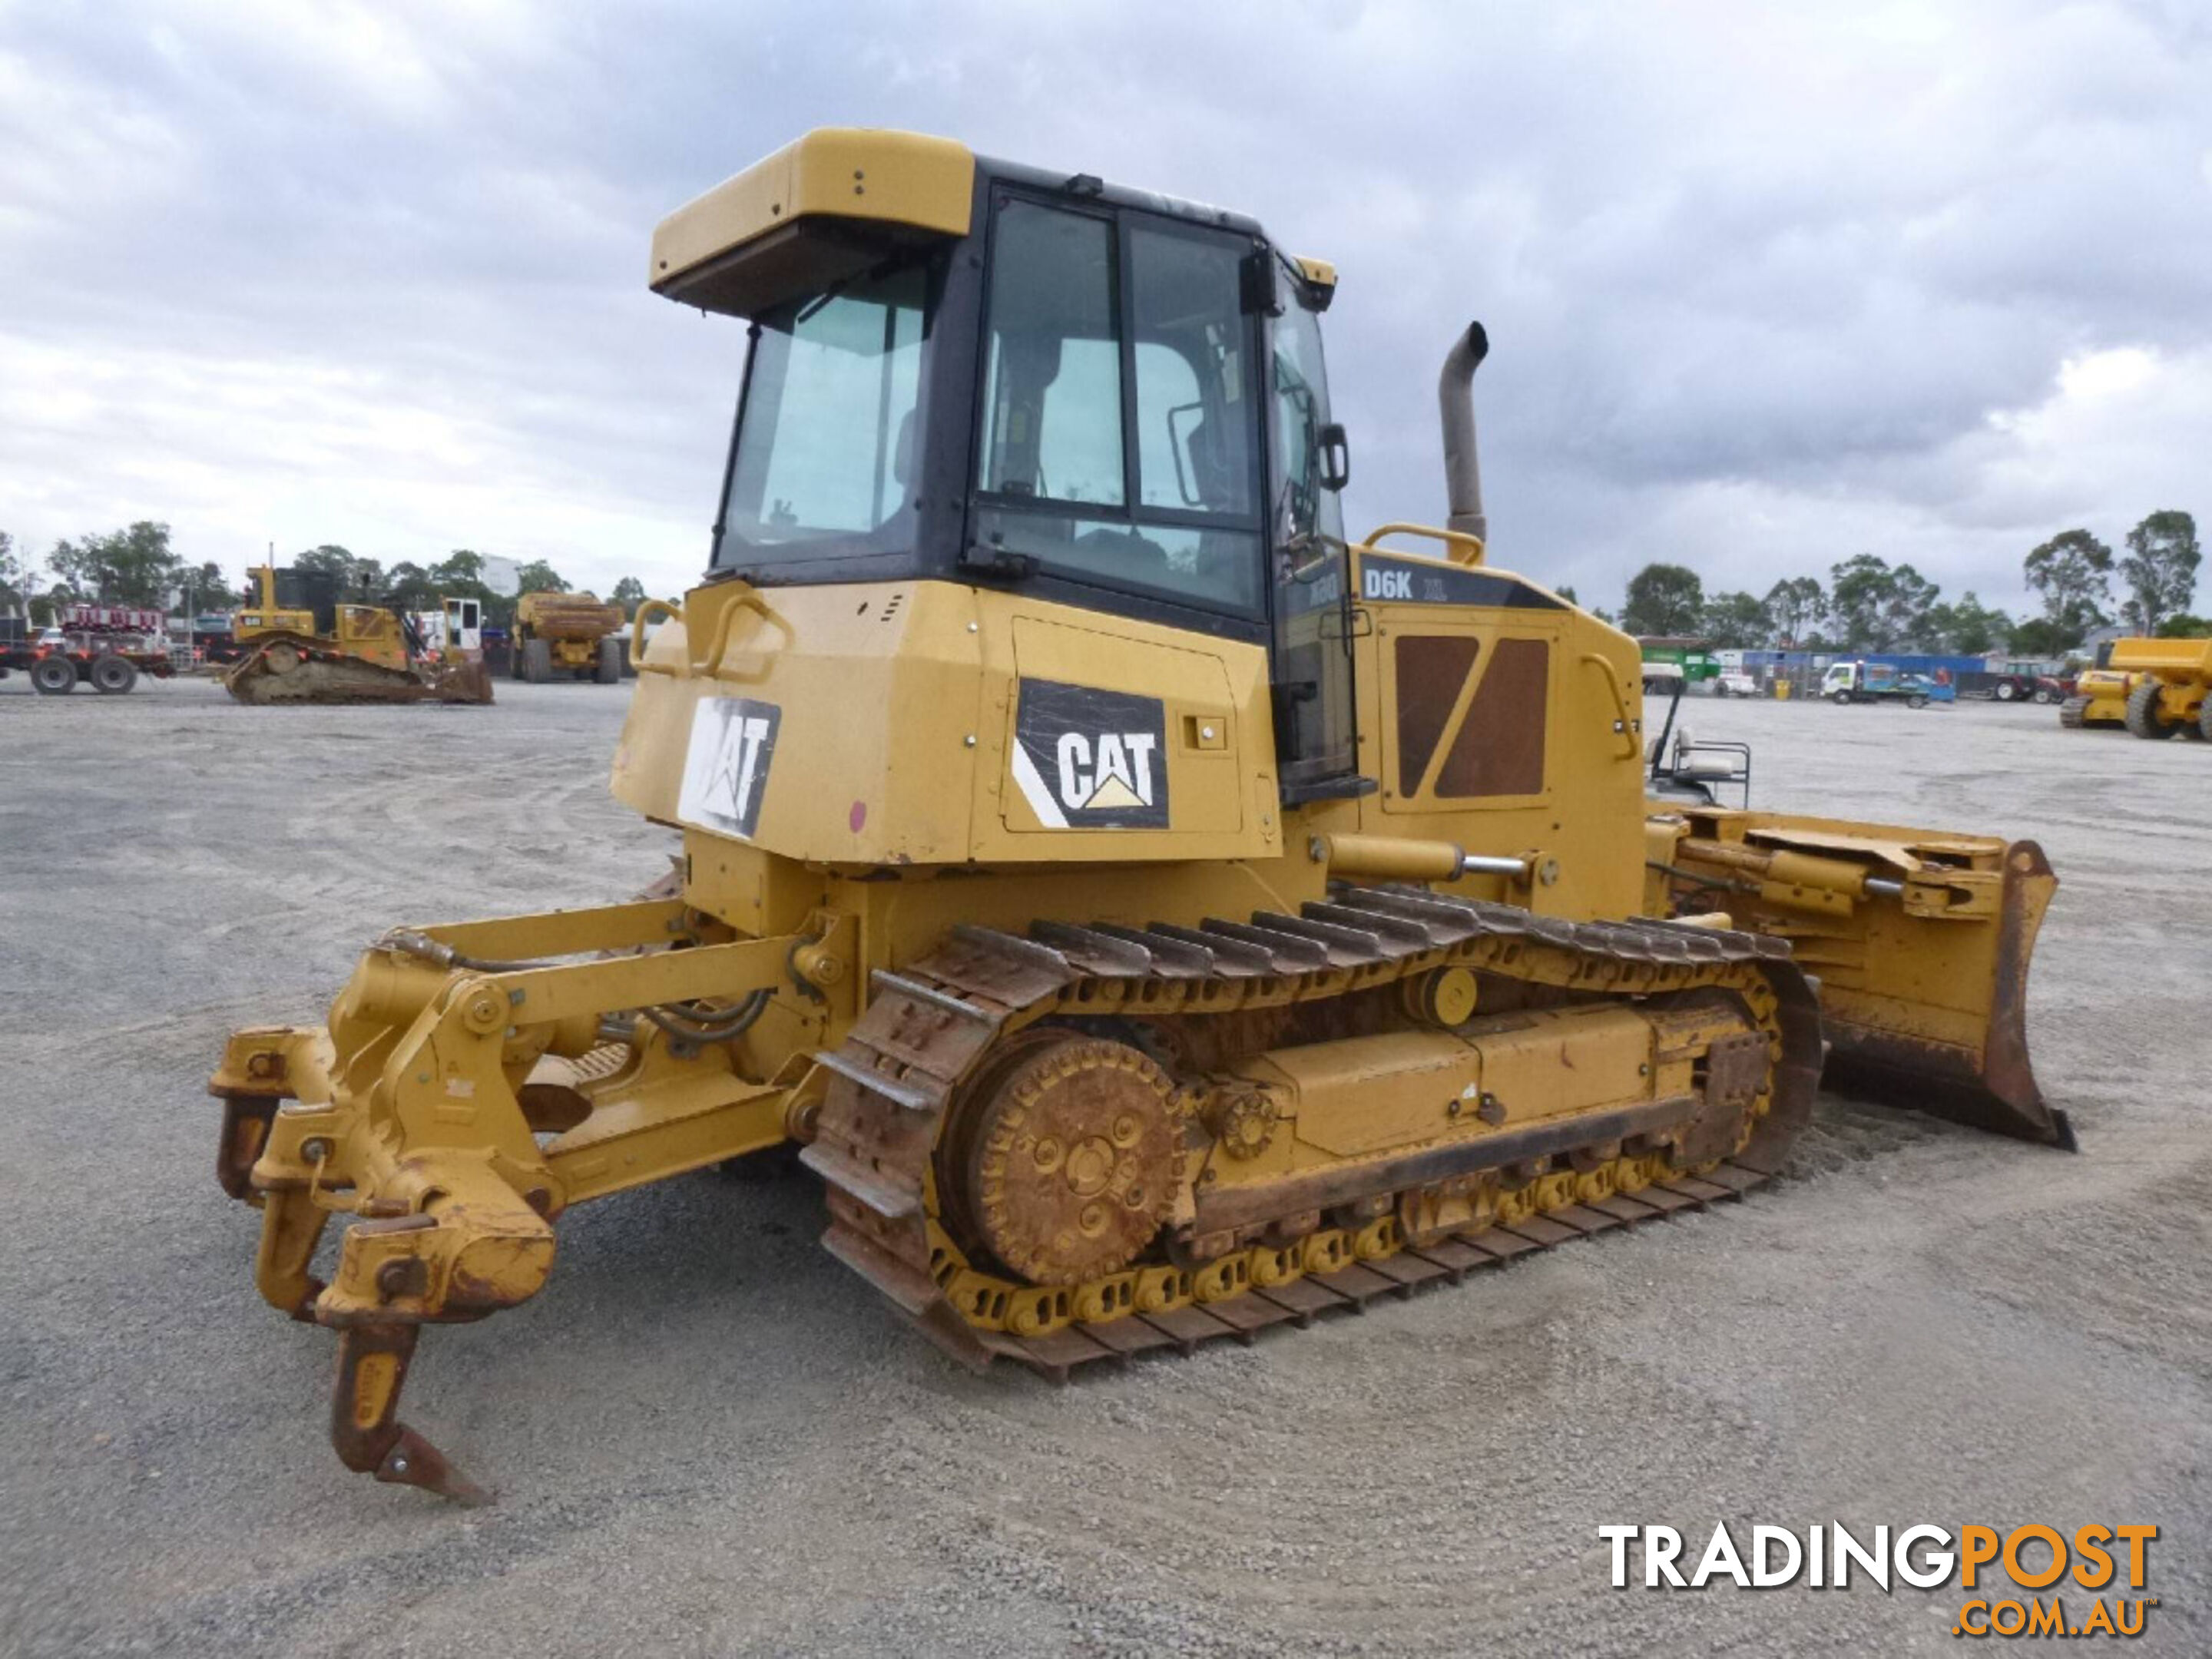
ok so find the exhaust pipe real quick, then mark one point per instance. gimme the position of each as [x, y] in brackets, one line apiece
[1456, 403]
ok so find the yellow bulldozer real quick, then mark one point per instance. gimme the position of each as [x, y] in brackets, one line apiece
[2153, 688]
[567, 634]
[1155, 916]
[305, 641]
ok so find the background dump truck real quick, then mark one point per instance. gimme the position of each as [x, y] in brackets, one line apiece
[1874, 682]
[106, 645]
[567, 634]
[2168, 686]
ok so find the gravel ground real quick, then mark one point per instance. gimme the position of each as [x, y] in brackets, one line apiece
[710, 1438]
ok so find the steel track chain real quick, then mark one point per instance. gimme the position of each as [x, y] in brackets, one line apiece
[931, 1024]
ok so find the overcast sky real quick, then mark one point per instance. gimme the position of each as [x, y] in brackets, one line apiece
[1766, 285]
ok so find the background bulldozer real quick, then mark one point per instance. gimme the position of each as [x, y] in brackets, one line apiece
[305, 641]
[567, 634]
[1157, 916]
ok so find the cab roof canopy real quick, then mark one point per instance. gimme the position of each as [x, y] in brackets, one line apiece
[842, 199]
[836, 202]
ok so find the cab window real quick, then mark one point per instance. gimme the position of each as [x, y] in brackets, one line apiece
[823, 461]
[1118, 424]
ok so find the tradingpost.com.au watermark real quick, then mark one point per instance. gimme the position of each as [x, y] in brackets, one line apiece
[2100, 1559]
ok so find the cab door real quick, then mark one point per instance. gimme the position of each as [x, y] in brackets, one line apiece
[1317, 732]
[464, 625]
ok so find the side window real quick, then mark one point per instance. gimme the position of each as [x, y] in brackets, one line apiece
[1152, 488]
[1304, 508]
[1193, 421]
[1167, 401]
[1315, 730]
[1053, 426]
[826, 444]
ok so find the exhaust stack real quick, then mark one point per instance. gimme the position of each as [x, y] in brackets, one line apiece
[1456, 403]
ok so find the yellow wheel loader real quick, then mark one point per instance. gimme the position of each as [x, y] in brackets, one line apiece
[1156, 916]
[305, 642]
[567, 634]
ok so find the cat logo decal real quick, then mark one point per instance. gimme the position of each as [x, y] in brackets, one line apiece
[1087, 759]
[725, 768]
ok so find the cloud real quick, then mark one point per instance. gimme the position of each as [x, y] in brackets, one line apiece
[1767, 285]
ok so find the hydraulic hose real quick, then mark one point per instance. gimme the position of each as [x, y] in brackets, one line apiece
[723, 1029]
[429, 949]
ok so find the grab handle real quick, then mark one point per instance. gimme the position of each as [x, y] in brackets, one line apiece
[637, 662]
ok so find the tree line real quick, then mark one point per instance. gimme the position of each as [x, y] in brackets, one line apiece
[460, 576]
[1870, 604]
[1867, 604]
[136, 566]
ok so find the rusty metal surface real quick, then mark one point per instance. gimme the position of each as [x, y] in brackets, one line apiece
[1621, 1207]
[365, 1428]
[1584, 1219]
[1500, 1244]
[1407, 1268]
[1449, 1255]
[302, 668]
[1302, 1299]
[1735, 1070]
[1543, 1230]
[1072, 1161]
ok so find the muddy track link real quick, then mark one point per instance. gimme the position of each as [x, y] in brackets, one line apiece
[2069, 713]
[930, 1024]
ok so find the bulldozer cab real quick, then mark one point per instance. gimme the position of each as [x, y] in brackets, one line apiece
[1100, 397]
[464, 625]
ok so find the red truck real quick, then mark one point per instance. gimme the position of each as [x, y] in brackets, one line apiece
[107, 646]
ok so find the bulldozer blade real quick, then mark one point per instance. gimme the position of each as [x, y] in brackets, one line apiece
[458, 682]
[1918, 941]
[1995, 1090]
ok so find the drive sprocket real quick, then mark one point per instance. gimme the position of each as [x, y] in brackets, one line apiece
[1070, 1159]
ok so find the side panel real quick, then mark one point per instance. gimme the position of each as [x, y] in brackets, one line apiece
[872, 691]
[1495, 715]
[929, 723]
[1172, 759]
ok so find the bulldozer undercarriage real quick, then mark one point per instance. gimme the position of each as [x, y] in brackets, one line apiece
[1011, 1114]
[1040, 1148]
